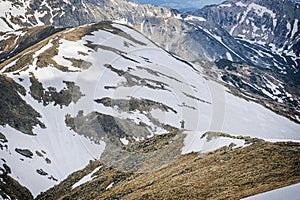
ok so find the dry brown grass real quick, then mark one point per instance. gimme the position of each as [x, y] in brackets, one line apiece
[222, 174]
[45, 59]
[25, 58]
[242, 172]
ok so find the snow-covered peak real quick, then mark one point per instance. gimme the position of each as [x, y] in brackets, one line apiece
[267, 27]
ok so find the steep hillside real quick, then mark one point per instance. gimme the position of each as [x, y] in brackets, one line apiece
[263, 35]
[256, 33]
[275, 91]
[260, 33]
[13, 42]
[83, 93]
[266, 23]
[227, 173]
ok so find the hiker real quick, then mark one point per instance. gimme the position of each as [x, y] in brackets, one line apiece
[182, 123]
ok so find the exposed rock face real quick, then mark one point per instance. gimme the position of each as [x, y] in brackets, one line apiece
[24, 152]
[269, 24]
[269, 88]
[64, 97]
[261, 21]
[15, 112]
[99, 127]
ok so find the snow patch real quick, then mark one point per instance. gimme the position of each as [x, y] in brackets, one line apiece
[290, 192]
[66, 49]
[86, 178]
[110, 186]
[225, 5]
[295, 28]
[229, 56]
[195, 142]
[121, 21]
[194, 18]
[240, 4]
[288, 27]
[259, 10]
[124, 141]
[178, 16]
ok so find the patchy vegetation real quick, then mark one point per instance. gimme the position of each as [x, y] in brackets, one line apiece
[79, 63]
[14, 44]
[63, 98]
[239, 173]
[226, 173]
[14, 111]
[134, 104]
[45, 59]
[101, 180]
[146, 155]
[99, 126]
[82, 31]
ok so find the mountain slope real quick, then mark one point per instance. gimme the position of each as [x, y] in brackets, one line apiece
[230, 35]
[231, 173]
[268, 23]
[96, 88]
[242, 32]
[257, 33]
[266, 27]
[13, 42]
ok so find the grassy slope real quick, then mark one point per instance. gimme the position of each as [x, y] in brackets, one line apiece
[233, 175]
[222, 174]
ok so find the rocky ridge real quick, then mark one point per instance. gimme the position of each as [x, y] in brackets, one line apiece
[257, 33]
